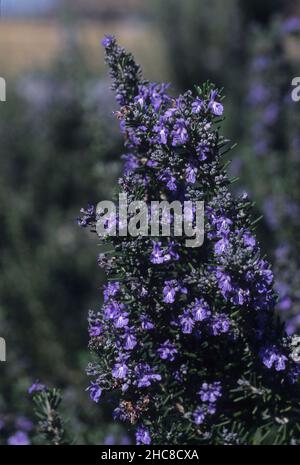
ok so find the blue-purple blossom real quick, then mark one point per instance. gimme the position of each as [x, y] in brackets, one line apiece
[95, 329]
[169, 179]
[162, 133]
[186, 322]
[170, 289]
[145, 375]
[197, 105]
[202, 151]
[191, 174]
[120, 370]
[200, 310]
[220, 324]
[121, 320]
[142, 436]
[130, 341]
[107, 41]
[161, 255]
[95, 392]
[221, 246]
[210, 392]
[215, 107]
[179, 134]
[111, 290]
[113, 309]
[224, 282]
[249, 240]
[36, 387]
[146, 323]
[167, 351]
[199, 415]
[273, 358]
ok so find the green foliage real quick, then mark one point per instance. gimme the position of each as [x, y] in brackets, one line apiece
[50, 424]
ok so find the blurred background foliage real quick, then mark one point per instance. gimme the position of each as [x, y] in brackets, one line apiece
[60, 149]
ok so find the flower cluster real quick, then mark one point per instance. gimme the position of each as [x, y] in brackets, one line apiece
[209, 394]
[175, 318]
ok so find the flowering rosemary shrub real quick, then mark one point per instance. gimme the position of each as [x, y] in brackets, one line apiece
[186, 344]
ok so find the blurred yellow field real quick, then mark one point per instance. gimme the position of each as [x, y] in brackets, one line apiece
[31, 44]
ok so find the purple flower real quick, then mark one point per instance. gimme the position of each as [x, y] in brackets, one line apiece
[121, 321]
[167, 351]
[265, 272]
[146, 323]
[95, 391]
[120, 370]
[142, 436]
[162, 134]
[199, 415]
[202, 151]
[271, 356]
[221, 246]
[130, 341]
[145, 375]
[179, 134]
[249, 240]
[191, 174]
[200, 310]
[36, 387]
[186, 322]
[223, 225]
[170, 289]
[160, 255]
[107, 41]
[95, 329]
[210, 392]
[197, 105]
[113, 309]
[111, 289]
[224, 282]
[240, 296]
[152, 94]
[18, 439]
[220, 324]
[170, 180]
[215, 107]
